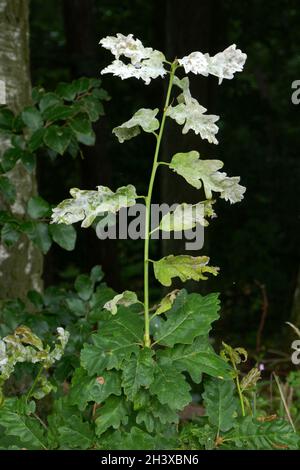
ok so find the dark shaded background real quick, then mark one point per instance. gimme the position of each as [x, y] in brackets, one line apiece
[255, 243]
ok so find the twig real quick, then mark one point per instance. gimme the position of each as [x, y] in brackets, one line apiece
[287, 411]
[264, 312]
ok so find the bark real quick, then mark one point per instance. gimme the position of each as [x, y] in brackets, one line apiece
[21, 265]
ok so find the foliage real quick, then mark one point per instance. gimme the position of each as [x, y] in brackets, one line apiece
[56, 124]
[126, 373]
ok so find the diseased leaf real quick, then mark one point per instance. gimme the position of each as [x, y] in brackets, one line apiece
[192, 115]
[143, 118]
[183, 266]
[220, 403]
[197, 172]
[127, 298]
[112, 414]
[184, 217]
[87, 205]
[167, 302]
[190, 316]
[138, 372]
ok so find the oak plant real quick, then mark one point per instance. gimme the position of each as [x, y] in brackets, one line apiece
[134, 373]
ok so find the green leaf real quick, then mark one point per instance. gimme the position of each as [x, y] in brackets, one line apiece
[82, 85]
[220, 403]
[75, 434]
[190, 316]
[39, 234]
[252, 434]
[49, 100]
[29, 161]
[67, 91]
[84, 286]
[127, 298]
[36, 140]
[63, 235]
[82, 128]
[37, 207]
[10, 158]
[143, 118]
[196, 358]
[96, 274]
[119, 337]
[24, 428]
[9, 234]
[112, 414]
[32, 118]
[58, 112]
[93, 107]
[138, 372]
[183, 266]
[196, 171]
[170, 387]
[137, 439]
[6, 118]
[58, 138]
[87, 205]
[85, 389]
[7, 189]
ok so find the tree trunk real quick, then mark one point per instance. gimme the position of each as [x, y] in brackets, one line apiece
[20, 265]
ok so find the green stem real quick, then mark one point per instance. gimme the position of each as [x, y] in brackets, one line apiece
[147, 341]
[29, 393]
[238, 386]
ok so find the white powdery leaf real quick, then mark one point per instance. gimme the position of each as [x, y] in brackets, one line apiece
[143, 118]
[127, 46]
[86, 205]
[197, 172]
[145, 63]
[126, 299]
[196, 62]
[3, 354]
[184, 217]
[193, 116]
[231, 189]
[223, 65]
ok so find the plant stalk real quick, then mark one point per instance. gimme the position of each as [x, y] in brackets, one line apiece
[147, 341]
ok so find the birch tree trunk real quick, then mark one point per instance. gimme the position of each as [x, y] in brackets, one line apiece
[20, 265]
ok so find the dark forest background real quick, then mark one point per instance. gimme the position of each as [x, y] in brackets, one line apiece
[256, 242]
